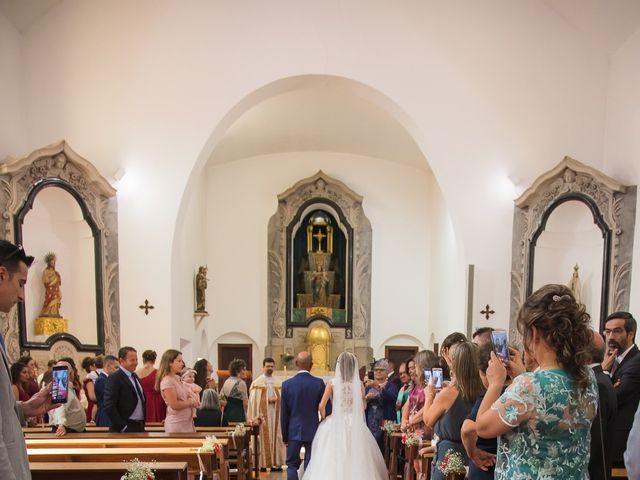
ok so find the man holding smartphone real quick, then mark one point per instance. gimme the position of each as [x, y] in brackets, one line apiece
[14, 465]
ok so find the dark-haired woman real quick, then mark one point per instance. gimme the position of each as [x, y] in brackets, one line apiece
[89, 366]
[20, 376]
[204, 370]
[156, 410]
[543, 419]
[235, 392]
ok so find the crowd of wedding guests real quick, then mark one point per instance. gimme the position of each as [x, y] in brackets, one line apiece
[561, 406]
[173, 394]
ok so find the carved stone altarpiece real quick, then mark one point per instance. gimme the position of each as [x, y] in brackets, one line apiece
[59, 165]
[319, 191]
[613, 206]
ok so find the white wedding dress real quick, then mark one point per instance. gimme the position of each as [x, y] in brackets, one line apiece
[343, 447]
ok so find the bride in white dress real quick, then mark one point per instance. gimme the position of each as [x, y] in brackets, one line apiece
[343, 447]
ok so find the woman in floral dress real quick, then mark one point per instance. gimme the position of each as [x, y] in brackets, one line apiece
[543, 419]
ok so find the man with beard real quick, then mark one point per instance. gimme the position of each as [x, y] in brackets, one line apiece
[623, 364]
[264, 404]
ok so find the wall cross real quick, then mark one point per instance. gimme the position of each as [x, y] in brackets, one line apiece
[487, 311]
[146, 307]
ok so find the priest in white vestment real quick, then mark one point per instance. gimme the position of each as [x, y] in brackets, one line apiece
[264, 404]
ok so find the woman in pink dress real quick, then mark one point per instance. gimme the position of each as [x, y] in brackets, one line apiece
[176, 395]
[156, 408]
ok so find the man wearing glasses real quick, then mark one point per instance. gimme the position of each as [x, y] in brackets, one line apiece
[622, 361]
[14, 266]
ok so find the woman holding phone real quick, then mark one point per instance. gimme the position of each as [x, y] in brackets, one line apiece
[445, 413]
[543, 419]
[71, 417]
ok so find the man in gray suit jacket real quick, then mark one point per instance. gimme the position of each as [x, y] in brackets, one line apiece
[14, 265]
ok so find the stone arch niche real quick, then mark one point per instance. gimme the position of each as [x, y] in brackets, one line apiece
[58, 166]
[286, 337]
[612, 206]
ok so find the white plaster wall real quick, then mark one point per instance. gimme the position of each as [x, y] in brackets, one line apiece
[447, 275]
[622, 147]
[242, 196]
[191, 241]
[489, 90]
[55, 224]
[12, 108]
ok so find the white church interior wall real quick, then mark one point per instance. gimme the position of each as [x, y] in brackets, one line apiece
[446, 309]
[622, 147]
[190, 245]
[483, 90]
[12, 114]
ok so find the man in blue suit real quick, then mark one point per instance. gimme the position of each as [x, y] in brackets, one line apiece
[300, 398]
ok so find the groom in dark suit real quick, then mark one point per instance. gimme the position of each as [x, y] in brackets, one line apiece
[299, 420]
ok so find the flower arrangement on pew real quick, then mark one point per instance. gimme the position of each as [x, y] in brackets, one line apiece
[411, 439]
[452, 466]
[137, 470]
[389, 427]
[239, 431]
[210, 444]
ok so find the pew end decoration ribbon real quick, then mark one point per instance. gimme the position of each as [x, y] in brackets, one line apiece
[137, 470]
[210, 444]
[239, 431]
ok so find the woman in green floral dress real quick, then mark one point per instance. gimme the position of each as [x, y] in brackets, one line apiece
[543, 419]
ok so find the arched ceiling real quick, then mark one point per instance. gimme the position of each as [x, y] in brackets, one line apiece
[321, 115]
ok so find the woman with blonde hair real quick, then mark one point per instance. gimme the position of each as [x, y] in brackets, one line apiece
[176, 394]
[445, 413]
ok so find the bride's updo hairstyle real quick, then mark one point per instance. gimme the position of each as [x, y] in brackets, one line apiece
[563, 323]
[347, 364]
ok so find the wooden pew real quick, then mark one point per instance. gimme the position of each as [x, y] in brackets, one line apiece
[102, 470]
[243, 452]
[234, 455]
[145, 454]
[619, 473]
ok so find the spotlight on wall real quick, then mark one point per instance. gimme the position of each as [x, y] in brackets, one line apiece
[119, 174]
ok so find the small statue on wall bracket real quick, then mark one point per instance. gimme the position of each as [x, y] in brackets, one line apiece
[50, 320]
[201, 282]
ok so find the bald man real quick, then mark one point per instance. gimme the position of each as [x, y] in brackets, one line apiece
[299, 420]
[602, 428]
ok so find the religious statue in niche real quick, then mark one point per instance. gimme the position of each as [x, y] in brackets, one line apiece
[201, 287]
[319, 263]
[50, 321]
[574, 284]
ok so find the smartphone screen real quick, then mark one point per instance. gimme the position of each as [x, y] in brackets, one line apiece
[60, 384]
[500, 345]
[427, 376]
[437, 377]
